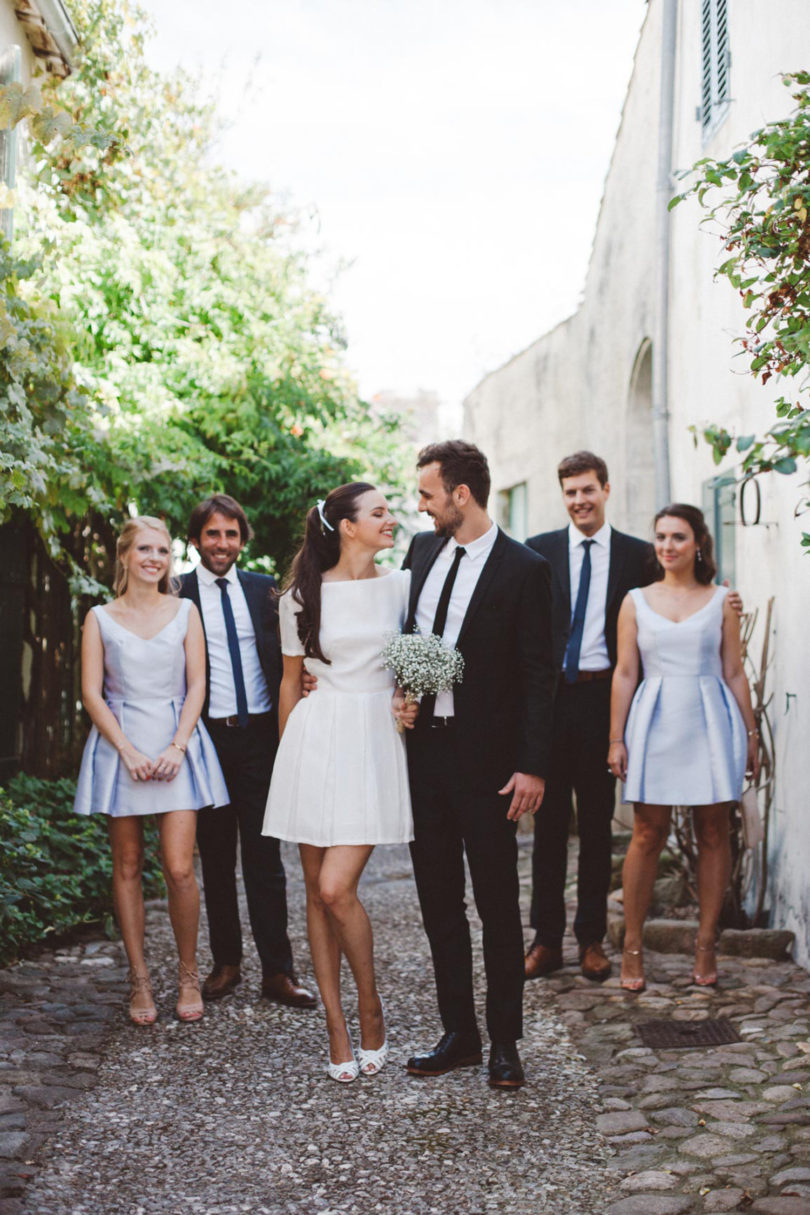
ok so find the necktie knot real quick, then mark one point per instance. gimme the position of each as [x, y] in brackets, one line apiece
[222, 583]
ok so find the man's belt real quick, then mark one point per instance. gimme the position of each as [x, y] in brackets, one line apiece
[587, 676]
[233, 720]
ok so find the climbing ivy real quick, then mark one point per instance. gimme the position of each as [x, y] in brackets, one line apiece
[760, 197]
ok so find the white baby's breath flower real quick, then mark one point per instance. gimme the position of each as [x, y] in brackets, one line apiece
[422, 664]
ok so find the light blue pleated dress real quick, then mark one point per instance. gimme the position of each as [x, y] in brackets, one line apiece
[686, 738]
[145, 686]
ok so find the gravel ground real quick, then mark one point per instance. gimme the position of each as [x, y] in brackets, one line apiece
[236, 1114]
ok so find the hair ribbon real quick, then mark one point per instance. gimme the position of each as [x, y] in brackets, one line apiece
[324, 521]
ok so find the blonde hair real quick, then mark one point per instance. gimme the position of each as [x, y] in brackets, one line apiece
[125, 542]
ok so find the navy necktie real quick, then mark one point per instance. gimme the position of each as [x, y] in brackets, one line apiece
[236, 657]
[439, 621]
[578, 620]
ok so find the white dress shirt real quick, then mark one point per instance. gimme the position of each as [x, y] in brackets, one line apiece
[222, 689]
[469, 571]
[593, 655]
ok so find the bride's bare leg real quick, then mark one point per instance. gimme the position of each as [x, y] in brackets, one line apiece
[340, 873]
[325, 951]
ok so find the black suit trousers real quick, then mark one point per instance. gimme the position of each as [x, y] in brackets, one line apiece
[452, 817]
[247, 759]
[579, 765]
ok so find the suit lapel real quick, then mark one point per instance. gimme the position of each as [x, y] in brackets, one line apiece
[488, 574]
[617, 559]
[423, 563]
[561, 567]
[192, 588]
[251, 600]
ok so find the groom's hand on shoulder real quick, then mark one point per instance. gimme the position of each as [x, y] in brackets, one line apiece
[527, 794]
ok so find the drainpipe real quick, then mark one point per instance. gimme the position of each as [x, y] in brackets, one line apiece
[664, 192]
[10, 71]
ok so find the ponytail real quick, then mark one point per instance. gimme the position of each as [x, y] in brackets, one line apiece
[319, 552]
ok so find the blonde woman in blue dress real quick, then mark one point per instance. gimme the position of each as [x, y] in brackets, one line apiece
[685, 735]
[143, 685]
[340, 782]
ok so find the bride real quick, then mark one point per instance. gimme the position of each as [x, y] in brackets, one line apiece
[340, 783]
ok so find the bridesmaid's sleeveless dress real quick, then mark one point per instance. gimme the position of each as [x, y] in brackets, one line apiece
[686, 738]
[145, 686]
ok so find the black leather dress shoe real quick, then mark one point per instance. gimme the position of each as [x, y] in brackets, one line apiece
[505, 1068]
[453, 1050]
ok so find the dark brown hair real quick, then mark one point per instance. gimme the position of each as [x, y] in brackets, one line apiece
[461, 464]
[705, 565]
[319, 552]
[581, 462]
[222, 504]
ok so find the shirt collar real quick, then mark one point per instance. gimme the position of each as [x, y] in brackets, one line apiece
[602, 537]
[208, 578]
[476, 548]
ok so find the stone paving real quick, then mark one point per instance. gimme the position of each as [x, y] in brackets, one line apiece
[236, 1115]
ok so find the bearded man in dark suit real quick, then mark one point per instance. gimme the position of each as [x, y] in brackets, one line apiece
[243, 672]
[478, 755]
[593, 567]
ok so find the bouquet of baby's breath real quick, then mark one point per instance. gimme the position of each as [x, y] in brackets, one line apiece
[422, 664]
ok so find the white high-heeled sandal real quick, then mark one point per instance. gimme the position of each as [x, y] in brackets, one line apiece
[373, 1061]
[344, 1073]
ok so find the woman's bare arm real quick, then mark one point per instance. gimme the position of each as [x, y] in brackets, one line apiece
[625, 681]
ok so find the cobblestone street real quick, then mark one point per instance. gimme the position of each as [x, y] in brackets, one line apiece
[237, 1115]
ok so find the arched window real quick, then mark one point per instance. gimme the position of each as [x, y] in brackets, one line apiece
[640, 449]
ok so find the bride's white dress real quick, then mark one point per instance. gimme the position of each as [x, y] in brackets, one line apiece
[341, 775]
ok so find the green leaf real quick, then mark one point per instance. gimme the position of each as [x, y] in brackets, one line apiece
[744, 442]
[786, 465]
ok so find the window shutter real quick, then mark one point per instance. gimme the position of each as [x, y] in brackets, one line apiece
[715, 60]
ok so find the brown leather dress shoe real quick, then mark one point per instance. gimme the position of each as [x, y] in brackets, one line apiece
[593, 962]
[282, 988]
[542, 960]
[221, 982]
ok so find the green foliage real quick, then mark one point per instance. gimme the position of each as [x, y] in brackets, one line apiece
[764, 212]
[55, 866]
[164, 318]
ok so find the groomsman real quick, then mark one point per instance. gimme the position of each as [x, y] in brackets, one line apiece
[243, 655]
[593, 567]
[477, 755]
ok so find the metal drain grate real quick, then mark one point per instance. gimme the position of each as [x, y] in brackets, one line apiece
[683, 1034]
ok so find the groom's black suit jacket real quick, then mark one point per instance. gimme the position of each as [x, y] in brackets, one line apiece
[503, 705]
[263, 610]
[631, 565]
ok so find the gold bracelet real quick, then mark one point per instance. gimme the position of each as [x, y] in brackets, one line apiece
[181, 749]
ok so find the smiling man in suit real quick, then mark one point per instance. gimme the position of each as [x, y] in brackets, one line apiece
[243, 669]
[593, 568]
[477, 755]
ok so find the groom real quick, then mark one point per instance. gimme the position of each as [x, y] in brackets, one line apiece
[477, 755]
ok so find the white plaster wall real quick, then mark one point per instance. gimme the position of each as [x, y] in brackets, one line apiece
[708, 380]
[570, 388]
